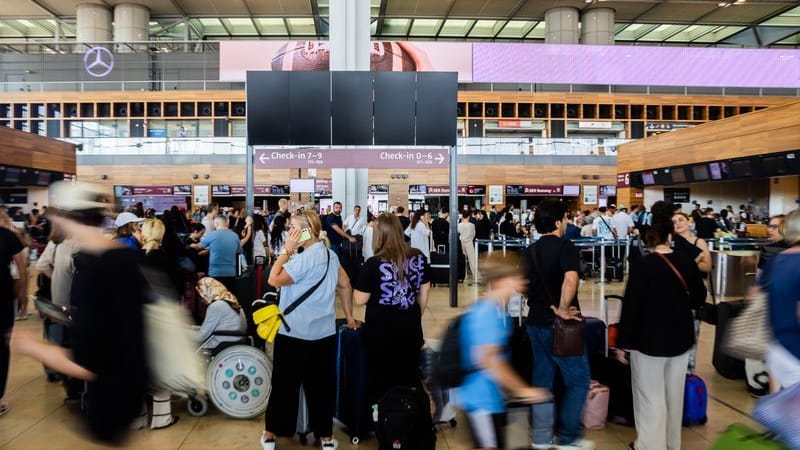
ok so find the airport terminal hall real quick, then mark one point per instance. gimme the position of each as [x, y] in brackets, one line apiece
[400, 224]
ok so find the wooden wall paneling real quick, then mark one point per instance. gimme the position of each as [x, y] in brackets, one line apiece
[23, 149]
[767, 131]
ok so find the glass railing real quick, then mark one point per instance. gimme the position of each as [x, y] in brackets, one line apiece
[539, 146]
[236, 145]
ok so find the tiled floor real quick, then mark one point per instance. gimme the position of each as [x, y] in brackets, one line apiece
[39, 418]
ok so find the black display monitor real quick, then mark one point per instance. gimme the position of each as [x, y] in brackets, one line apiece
[418, 189]
[678, 175]
[662, 177]
[719, 170]
[742, 168]
[777, 165]
[700, 173]
[636, 180]
[515, 189]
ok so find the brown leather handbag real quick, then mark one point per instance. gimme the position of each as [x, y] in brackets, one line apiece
[568, 335]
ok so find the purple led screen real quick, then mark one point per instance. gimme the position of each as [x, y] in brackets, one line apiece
[631, 65]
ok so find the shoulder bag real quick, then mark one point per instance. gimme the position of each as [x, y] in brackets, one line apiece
[269, 317]
[568, 335]
[707, 312]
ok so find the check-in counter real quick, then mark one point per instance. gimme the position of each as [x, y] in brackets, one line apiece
[734, 271]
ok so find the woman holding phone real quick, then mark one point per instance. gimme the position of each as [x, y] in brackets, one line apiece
[305, 350]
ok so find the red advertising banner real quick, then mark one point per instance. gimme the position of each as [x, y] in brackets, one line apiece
[543, 190]
[372, 158]
[152, 190]
[623, 180]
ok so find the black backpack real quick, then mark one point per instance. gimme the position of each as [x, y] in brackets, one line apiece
[404, 420]
[448, 370]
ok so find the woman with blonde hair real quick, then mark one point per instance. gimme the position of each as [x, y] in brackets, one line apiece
[305, 347]
[394, 285]
[158, 270]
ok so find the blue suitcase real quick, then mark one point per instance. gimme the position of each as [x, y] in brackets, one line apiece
[352, 408]
[695, 401]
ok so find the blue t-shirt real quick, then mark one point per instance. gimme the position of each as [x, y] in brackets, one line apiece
[485, 324]
[784, 294]
[129, 241]
[315, 318]
[222, 245]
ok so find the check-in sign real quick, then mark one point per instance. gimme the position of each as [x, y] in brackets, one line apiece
[373, 158]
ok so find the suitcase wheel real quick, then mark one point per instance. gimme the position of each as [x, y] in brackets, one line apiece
[453, 423]
[197, 406]
[355, 440]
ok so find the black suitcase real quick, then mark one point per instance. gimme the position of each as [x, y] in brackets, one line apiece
[404, 420]
[352, 408]
[725, 365]
[440, 267]
[594, 332]
[615, 270]
[244, 288]
[351, 257]
[617, 376]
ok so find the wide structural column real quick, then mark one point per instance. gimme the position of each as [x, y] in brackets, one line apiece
[597, 26]
[350, 50]
[784, 193]
[131, 24]
[93, 25]
[561, 25]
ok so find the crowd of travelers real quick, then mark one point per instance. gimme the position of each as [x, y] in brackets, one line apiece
[84, 253]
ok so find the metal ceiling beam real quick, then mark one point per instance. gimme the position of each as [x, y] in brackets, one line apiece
[408, 28]
[501, 29]
[250, 15]
[680, 30]
[183, 14]
[317, 18]
[777, 13]
[381, 16]
[516, 8]
[225, 26]
[446, 16]
[286, 25]
[532, 28]
[21, 31]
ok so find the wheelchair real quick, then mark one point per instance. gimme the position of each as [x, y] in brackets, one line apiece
[238, 378]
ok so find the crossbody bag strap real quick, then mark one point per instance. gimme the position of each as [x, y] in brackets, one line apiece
[674, 269]
[311, 290]
[613, 231]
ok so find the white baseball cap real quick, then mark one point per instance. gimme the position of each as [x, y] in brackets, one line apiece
[76, 196]
[126, 218]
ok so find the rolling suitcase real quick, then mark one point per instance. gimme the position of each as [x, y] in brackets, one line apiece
[605, 368]
[440, 267]
[351, 257]
[726, 365]
[244, 287]
[404, 421]
[615, 270]
[303, 428]
[695, 401]
[352, 408]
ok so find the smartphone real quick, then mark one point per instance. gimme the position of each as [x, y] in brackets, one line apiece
[304, 235]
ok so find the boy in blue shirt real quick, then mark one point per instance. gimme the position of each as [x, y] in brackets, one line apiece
[485, 333]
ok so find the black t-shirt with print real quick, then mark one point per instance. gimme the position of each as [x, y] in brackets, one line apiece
[393, 309]
[555, 257]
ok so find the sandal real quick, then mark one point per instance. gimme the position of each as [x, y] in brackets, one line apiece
[172, 422]
[4, 409]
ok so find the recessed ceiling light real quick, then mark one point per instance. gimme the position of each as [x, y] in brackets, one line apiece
[723, 4]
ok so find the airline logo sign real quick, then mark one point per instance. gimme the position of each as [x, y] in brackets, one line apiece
[373, 158]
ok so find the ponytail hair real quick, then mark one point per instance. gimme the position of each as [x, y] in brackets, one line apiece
[152, 234]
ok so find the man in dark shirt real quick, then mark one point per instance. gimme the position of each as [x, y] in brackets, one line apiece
[334, 229]
[440, 229]
[483, 229]
[404, 221]
[552, 266]
[10, 251]
[706, 226]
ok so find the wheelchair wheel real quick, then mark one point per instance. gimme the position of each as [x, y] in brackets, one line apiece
[197, 406]
[239, 379]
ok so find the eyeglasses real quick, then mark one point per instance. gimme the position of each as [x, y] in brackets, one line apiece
[773, 227]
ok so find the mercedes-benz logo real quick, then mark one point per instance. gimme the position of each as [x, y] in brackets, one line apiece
[98, 62]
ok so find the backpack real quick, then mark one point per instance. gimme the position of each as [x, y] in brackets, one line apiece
[448, 369]
[404, 420]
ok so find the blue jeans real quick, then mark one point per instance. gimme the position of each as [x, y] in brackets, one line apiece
[575, 372]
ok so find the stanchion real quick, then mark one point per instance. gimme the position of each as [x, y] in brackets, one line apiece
[602, 262]
[475, 269]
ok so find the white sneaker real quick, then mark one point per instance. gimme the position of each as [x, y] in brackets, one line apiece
[580, 444]
[333, 444]
[265, 444]
[541, 446]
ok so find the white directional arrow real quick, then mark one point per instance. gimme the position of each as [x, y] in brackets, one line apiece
[440, 159]
[263, 158]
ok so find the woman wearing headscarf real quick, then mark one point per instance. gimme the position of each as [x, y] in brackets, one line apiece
[223, 314]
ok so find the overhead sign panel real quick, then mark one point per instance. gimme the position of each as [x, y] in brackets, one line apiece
[373, 158]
